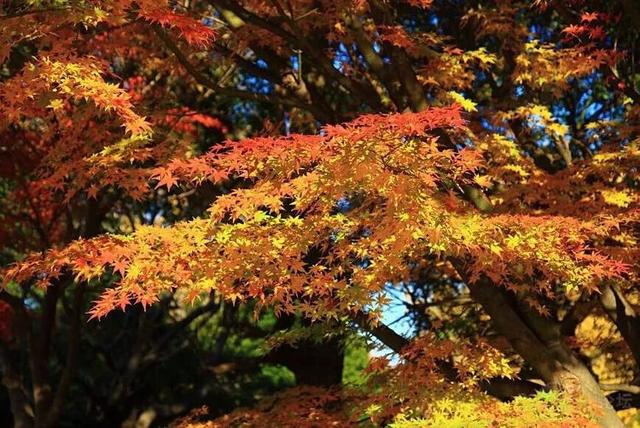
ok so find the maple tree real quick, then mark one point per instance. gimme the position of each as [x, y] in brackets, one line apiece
[478, 157]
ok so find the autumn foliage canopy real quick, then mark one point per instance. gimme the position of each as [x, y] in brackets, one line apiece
[479, 159]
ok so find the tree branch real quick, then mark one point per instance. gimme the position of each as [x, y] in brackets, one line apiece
[501, 388]
[623, 315]
[385, 334]
[297, 39]
[633, 389]
[207, 82]
[578, 312]
[402, 63]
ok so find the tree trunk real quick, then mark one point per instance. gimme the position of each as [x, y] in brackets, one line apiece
[316, 364]
[313, 363]
[539, 342]
[20, 407]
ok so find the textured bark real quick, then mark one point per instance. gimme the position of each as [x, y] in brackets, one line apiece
[542, 347]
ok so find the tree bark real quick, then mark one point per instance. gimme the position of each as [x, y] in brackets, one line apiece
[624, 316]
[544, 350]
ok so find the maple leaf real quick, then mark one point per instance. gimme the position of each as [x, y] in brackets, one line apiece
[120, 265]
[469, 159]
[597, 33]
[407, 216]
[575, 30]
[192, 30]
[92, 192]
[218, 175]
[589, 16]
[165, 178]
[423, 4]
[618, 198]
[138, 126]
[56, 104]
[466, 104]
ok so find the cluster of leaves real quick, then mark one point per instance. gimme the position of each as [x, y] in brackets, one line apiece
[399, 183]
[413, 393]
[545, 409]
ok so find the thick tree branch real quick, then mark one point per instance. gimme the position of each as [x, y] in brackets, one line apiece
[376, 63]
[501, 388]
[382, 332]
[623, 315]
[576, 314]
[556, 364]
[40, 336]
[633, 389]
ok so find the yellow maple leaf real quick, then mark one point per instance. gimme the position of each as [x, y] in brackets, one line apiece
[56, 104]
[619, 198]
[466, 104]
